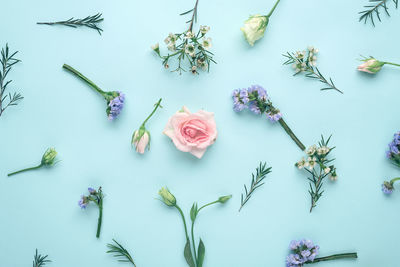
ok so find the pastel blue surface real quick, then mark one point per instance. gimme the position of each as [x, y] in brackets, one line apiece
[39, 209]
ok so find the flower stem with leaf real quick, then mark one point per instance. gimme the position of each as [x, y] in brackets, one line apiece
[120, 252]
[193, 258]
[90, 22]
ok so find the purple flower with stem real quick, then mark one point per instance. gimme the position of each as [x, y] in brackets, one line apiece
[95, 196]
[305, 252]
[256, 99]
[394, 149]
[115, 99]
[388, 186]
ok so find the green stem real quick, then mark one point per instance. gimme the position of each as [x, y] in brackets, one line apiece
[394, 64]
[27, 169]
[291, 134]
[273, 9]
[100, 218]
[80, 75]
[394, 180]
[192, 230]
[158, 104]
[193, 243]
[335, 257]
[184, 221]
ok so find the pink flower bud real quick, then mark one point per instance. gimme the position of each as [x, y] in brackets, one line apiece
[371, 66]
[141, 142]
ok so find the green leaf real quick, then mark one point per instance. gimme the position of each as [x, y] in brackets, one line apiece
[201, 253]
[188, 254]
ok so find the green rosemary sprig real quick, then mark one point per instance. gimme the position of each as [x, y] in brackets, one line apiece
[256, 182]
[120, 252]
[7, 60]
[305, 61]
[374, 10]
[39, 260]
[319, 167]
[90, 22]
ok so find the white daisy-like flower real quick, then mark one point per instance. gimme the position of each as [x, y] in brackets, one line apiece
[302, 163]
[190, 50]
[311, 162]
[207, 43]
[171, 47]
[323, 150]
[204, 29]
[189, 35]
[172, 37]
[311, 150]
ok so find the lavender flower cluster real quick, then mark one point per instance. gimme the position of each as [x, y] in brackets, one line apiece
[256, 99]
[115, 106]
[394, 149]
[84, 201]
[303, 251]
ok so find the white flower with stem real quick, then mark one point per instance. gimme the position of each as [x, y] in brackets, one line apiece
[312, 161]
[204, 29]
[302, 163]
[327, 170]
[207, 43]
[190, 50]
[311, 150]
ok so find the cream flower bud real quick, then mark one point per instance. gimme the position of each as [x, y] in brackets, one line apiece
[168, 198]
[254, 28]
[371, 66]
[156, 48]
[141, 140]
[49, 156]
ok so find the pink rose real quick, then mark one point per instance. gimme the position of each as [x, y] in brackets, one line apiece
[192, 132]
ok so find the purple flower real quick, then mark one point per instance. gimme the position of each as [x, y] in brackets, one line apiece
[387, 188]
[83, 202]
[240, 99]
[303, 251]
[91, 190]
[254, 108]
[115, 106]
[259, 92]
[274, 116]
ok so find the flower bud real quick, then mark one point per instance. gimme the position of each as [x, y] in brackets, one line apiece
[371, 65]
[156, 48]
[141, 140]
[49, 156]
[224, 199]
[167, 197]
[254, 28]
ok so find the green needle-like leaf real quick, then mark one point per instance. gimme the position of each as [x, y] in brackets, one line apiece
[120, 252]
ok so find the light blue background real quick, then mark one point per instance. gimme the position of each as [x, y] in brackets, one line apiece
[39, 209]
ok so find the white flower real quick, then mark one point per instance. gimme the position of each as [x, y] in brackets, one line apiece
[254, 28]
[207, 43]
[323, 150]
[327, 170]
[189, 35]
[300, 54]
[311, 150]
[204, 29]
[333, 177]
[155, 47]
[202, 64]
[190, 49]
[171, 38]
[302, 163]
[194, 69]
[312, 60]
[313, 50]
[311, 162]
[171, 47]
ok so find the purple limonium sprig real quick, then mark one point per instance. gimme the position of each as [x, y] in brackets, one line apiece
[95, 196]
[115, 99]
[394, 149]
[388, 186]
[305, 252]
[256, 99]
